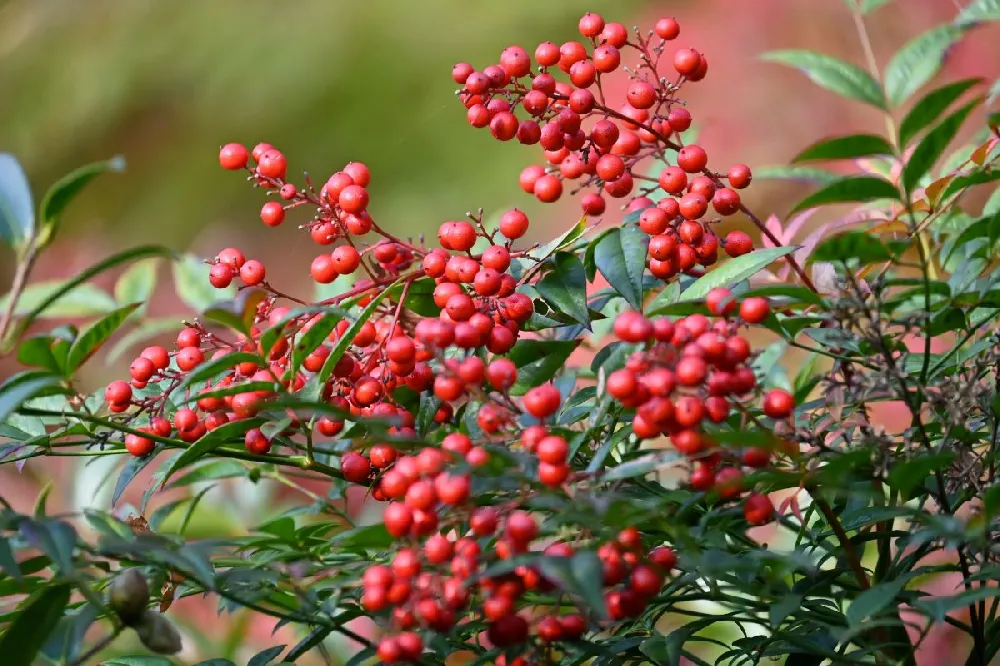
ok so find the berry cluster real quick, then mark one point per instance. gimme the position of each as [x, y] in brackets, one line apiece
[683, 376]
[588, 139]
[692, 371]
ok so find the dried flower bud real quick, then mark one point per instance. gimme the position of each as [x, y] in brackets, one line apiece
[158, 633]
[128, 595]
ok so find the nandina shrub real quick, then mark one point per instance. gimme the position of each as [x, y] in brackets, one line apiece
[534, 511]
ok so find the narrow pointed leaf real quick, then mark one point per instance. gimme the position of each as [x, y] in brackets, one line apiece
[95, 336]
[918, 62]
[734, 271]
[38, 617]
[852, 189]
[65, 190]
[932, 146]
[845, 148]
[832, 74]
[930, 107]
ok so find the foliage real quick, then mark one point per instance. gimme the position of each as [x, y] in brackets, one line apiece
[538, 510]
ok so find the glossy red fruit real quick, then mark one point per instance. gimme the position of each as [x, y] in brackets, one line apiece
[542, 401]
[233, 156]
[754, 310]
[778, 404]
[758, 509]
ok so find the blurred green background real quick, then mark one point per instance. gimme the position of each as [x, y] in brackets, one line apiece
[327, 81]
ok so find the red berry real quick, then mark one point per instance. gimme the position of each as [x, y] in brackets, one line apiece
[739, 176]
[720, 301]
[737, 243]
[257, 442]
[233, 156]
[778, 404]
[322, 269]
[548, 188]
[272, 164]
[687, 61]
[692, 158]
[501, 373]
[345, 259]
[272, 213]
[252, 273]
[591, 25]
[515, 61]
[607, 58]
[353, 199]
[189, 358]
[754, 310]
[514, 223]
[355, 467]
[137, 445]
[220, 276]
[667, 28]
[461, 71]
[758, 509]
[641, 94]
[542, 401]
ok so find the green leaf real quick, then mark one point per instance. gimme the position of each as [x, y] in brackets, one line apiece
[17, 209]
[84, 301]
[37, 352]
[265, 657]
[797, 173]
[216, 662]
[734, 271]
[939, 607]
[538, 361]
[8, 563]
[979, 11]
[918, 61]
[930, 107]
[37, 618]
[212, 440]
[237, 313]
[79, 279]
[21, 388]
[868, 6]
[565, 288]
[562, 241]
[139, 660]
[987, 227]
[96, 335]
[65, 190]
[851, 245]
[419, 297]
[909, 474]
[845, 148]
[136, 283]
[578, 575]
[932, 146]
[192, 285]
[130, 470]
[835, 75]
[868, 604]
[620, 256]
[314, 337]
[991, 502]
[315, 637]
[345, 341]
[852, 189]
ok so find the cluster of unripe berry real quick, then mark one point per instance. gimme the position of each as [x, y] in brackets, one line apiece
[602, 145]
[683, 376]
